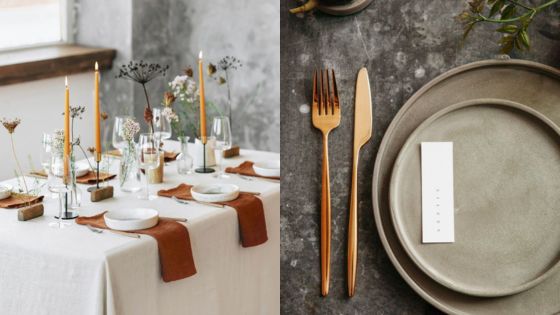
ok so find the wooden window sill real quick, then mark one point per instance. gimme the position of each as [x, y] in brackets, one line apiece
[28, 64]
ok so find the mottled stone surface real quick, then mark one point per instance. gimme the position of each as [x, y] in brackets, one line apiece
[173, 32]
[404, 44]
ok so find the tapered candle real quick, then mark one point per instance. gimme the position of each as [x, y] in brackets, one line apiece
[97, 119]
[201, 94]
[66, 156]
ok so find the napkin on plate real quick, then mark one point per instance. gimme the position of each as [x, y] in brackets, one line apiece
[250, 213]
[174, 245]
[246, 168]
[19, 200]
[91, 177]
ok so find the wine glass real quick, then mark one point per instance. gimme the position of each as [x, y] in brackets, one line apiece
[46, 152]
[119, 141]
[162, 124]
[58, 185]
[221, 132]
[148, 159]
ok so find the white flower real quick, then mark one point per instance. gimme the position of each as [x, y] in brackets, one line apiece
[170, 114]
[57, 144]
[130, 128]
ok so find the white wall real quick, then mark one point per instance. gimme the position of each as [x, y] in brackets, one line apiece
[39, 105]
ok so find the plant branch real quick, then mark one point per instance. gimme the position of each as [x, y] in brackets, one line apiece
[148, 104]
[17, 163]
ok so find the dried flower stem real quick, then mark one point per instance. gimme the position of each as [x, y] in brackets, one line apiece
[17, 163]
[148, 104]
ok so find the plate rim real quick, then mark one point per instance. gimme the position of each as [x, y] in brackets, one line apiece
[393, 191]
[550, 71]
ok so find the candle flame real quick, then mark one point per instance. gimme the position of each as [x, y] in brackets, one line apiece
[96, 66]
[200, 55]
[66, 81]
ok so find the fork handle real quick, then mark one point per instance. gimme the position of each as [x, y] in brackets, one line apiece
[353, 227]
[325, 219]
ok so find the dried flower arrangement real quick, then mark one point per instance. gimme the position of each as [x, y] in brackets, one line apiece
[225, 66]
[183, 91]
[130, 129]
[513, 18]
[142, 72]
[76, 112]
[11, 125]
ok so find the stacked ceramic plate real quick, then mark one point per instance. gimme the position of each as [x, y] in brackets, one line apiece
[502, 117]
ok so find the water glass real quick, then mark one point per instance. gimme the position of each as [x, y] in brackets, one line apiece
[148, 159]
[221, 132]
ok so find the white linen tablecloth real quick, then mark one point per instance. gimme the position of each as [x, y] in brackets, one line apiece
[75, 271]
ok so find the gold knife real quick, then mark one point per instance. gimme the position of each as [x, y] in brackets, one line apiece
[362, 134]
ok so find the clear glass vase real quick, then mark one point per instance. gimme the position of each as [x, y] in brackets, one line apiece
[74, 192]
[129, 174]
[184, 160]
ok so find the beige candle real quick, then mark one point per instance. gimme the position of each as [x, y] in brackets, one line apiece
[97, 126]
[201, 94]
[66, 156]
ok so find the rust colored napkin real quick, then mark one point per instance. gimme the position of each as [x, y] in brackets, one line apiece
[168, 156]
[41, 174]
[246, 168]
[174, 246]
[250, 213]
[91, 177]
[20, 200]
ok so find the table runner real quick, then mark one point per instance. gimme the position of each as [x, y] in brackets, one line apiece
[250, 213]
[174, 245]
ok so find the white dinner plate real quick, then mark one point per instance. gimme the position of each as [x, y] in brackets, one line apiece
[81, 170]
[5, 191]
[267, 168]
[215, 192]
[131, 219]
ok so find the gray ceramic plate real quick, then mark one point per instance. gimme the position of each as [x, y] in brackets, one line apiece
[506, 183]
[529, 83]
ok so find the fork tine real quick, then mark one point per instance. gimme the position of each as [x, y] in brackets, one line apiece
[322, 94]
[336, 104]
[315, 96]
[329, 108]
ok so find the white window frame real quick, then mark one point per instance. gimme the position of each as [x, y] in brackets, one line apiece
[66, 29]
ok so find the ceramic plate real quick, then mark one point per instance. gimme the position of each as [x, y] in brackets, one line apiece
[215, 192]
[131, 219]
[525, 82]
[267, 168]
[5, 191]
[506, 178]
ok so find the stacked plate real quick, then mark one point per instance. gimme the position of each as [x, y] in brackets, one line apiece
[502, 117]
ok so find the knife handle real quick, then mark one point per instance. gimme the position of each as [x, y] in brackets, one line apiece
[353, 228]
[325, 219]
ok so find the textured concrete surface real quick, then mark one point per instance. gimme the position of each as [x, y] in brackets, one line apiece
[173, 32]
[404, 44]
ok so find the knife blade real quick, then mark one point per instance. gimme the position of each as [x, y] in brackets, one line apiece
[362, 134]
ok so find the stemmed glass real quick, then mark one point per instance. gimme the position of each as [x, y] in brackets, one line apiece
[57, 185]
[46, 152]
[162, 124]
[148, 159]
[221, 132]
[119, 141]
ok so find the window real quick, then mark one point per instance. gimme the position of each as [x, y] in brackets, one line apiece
[31, 22]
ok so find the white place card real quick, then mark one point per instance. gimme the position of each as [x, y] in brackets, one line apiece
[438, 223]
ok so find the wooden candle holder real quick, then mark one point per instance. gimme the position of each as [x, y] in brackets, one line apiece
[101, 193]
[30, 212]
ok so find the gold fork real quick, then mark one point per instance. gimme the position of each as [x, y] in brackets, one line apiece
[326, 117]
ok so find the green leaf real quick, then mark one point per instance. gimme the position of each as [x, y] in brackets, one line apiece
[508, 11]
[496, 7]
[510, 28]
[468, 28]
[524, 37]
[507, 47]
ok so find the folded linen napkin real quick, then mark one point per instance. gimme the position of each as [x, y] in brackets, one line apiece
[20, 200]
[174, 245]
[250, 213]
[246, 168]
[91, 177]
[168, 156]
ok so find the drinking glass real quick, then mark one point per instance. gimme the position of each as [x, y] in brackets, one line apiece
[162, 124]
[148, 159]
[221, 132]
[59, 185]
[46, 152]
[119, 141]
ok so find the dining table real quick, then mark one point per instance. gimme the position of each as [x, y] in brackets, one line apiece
[77, 271]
